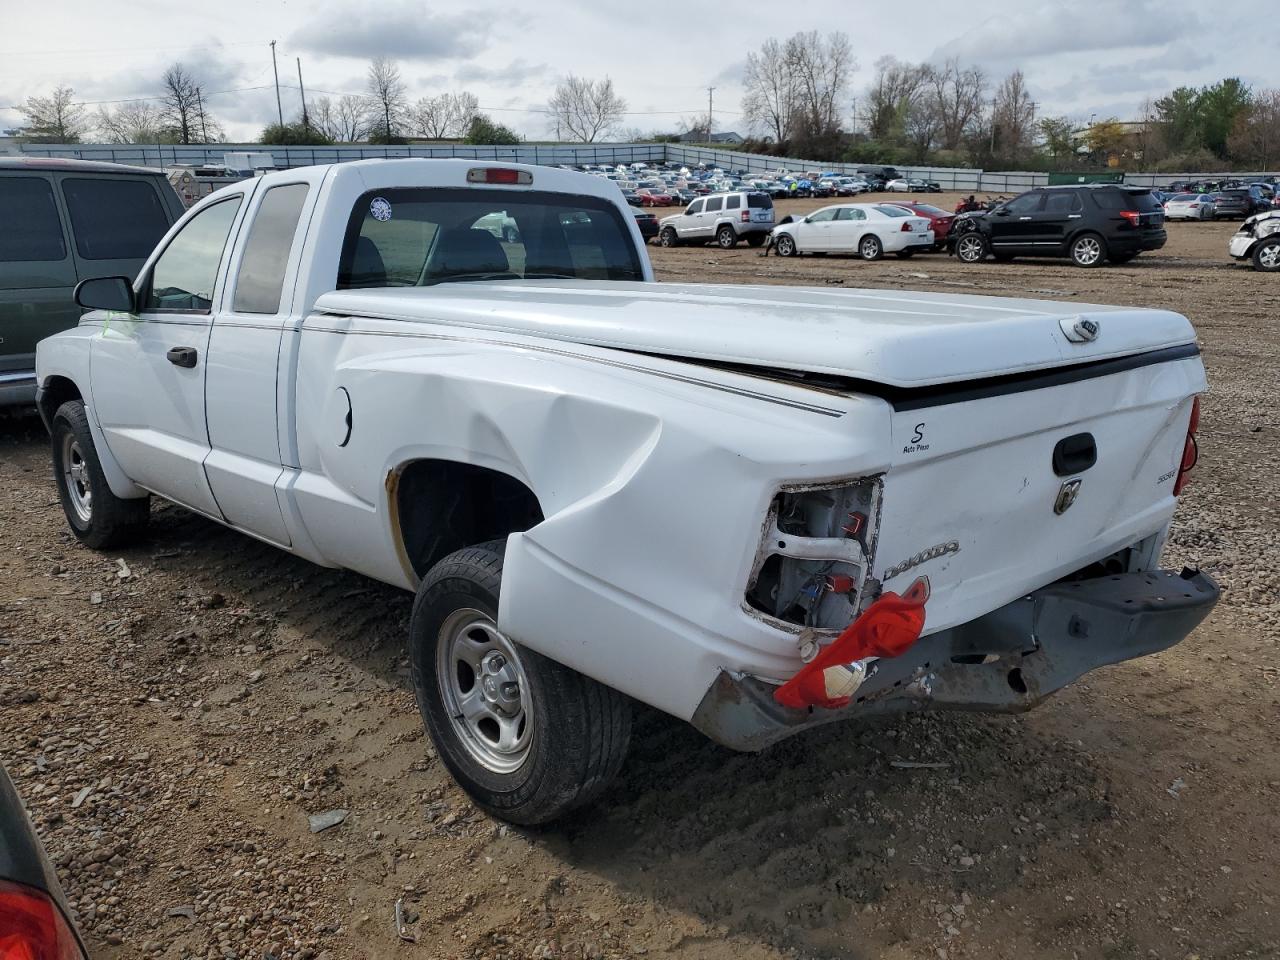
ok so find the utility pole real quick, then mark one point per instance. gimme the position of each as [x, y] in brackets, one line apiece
[279, 109]
[306, 125]
[204, 130]
[710, 126]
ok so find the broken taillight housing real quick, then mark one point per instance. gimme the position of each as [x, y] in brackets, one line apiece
[1190, 450]
[32, 926]
[1133, 216]
[819, 541]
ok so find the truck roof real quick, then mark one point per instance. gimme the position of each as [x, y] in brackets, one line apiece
[68, 165]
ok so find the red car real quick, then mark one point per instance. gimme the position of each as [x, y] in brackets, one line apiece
[650, 197]
[939, 218]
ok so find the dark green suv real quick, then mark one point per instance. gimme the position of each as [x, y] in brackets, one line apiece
[62, 221]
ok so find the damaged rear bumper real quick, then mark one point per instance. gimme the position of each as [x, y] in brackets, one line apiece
[1006, 661]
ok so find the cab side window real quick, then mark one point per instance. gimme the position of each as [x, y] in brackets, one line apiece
[31, 228]
[1025, 204]
[822, 216]
[732, 202]
[260, 279]
[714, 204]
[695, 207]
[182, 279]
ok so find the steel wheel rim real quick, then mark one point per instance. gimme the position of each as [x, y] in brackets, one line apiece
[485, 691]
[75, 478]
[970, 248]
[1269, 256]
[1088, 250]
[869, 247]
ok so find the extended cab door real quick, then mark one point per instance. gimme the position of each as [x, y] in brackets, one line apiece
[248, 376]
[148, 367]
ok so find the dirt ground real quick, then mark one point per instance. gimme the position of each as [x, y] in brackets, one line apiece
[173, 713]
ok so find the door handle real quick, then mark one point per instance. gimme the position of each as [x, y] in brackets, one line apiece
[182, 356]
[1024, 218]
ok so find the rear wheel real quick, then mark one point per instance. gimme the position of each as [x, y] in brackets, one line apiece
[1088, 250]
[971, 248]
[668, 237]
[528, 738]
[98, 518]
[1266, 256]
[870, 248]
[786, 246]
[727, 237]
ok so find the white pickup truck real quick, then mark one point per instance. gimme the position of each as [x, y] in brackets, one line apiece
[604, 488]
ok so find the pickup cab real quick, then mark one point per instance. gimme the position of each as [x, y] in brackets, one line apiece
[756, 508]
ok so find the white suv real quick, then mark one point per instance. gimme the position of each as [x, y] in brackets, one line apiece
[725, 218]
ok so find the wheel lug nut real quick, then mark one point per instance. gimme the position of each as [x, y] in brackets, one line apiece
[511, 690]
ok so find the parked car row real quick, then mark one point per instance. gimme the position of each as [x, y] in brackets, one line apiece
[1230, 203]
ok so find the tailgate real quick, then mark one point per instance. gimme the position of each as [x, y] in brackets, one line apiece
[970, 497]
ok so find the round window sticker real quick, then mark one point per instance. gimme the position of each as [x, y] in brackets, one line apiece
[380, 209]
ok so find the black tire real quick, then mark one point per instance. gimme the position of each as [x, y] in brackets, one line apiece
[727, 237]
[870, 247]
[98, 518]
[905, 254]
[668, 237]
[1088, 250]
[755, 239]
[578, 729]
[786, 245]
[1266, 256]
[971, 247]
[1121, 258]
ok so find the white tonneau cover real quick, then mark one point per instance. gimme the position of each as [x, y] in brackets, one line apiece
[901, 339]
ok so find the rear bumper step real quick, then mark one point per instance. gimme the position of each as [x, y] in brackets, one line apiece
[1007, 661]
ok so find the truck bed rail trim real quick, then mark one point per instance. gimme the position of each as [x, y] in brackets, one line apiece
[619, 364]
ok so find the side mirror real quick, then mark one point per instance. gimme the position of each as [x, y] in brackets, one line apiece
[106, 293]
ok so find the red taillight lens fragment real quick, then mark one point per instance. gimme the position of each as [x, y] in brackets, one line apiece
[32, 927]
[1133, 216]
[906, 228]
[1190, 449]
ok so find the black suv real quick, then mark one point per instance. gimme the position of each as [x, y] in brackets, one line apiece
[1091, 224]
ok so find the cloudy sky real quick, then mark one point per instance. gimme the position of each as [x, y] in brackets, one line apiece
[1082, 58]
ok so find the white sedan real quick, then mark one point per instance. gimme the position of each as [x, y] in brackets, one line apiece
[868, 229]
[1190, 206]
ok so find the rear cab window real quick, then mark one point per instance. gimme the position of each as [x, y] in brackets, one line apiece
[759, 201]
[32, 229]
[260, 279]
[420, 236]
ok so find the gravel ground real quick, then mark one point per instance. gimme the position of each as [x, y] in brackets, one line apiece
[175, 712]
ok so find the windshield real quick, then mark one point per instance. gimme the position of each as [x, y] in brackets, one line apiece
[418, 236]
[931, 209]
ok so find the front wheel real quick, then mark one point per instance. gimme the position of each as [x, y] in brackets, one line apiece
[726, 237]
[528, 738]
[668, 237]
[971, 248]
[786, 245]
[1088, 250]
[98, 518]
[755, 239]
[1266, 256]
[870, 248]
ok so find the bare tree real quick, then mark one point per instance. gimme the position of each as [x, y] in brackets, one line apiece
[770, 86]
[345, 120]
[586, 109]
[387, 91]
[821, 67]
[1255, 138]
[698, 125]
[956, 95]
[55, 119]
[894, 95]
[1013, 118]
[447, 116]
[134, 122]
[182, 111]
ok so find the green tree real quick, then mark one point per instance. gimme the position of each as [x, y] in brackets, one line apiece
[1220, 106]
[1179, 113]
[485, 132]
[54, 119]
[293, 134]
[1059, 137]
